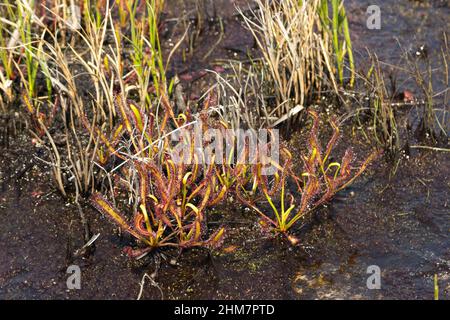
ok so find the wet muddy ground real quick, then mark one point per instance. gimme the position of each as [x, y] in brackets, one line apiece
[401, 225]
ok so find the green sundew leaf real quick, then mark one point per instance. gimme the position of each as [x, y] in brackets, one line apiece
[193, 207]
[269, 199]
[334, 164]
[137, 116]
[285, 216]
[147, 220]
[186, 177]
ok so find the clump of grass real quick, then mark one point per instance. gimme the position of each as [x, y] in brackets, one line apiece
[302, 47]
[145, 52]
[431, 128]
[337, 28]
[384, 124]
[241, 98]
[86, 124]
[383, 102]
[7, 72]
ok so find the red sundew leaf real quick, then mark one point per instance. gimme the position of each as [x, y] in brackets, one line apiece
[144, 185]
[314, 134]
[332, 142]
[135, 253]
[103, 206]
[120, 105]
[216, 239]
[219, 197]
[139, 225]
[372, 157]
[311, 189]
[163, 217]
[346, 162]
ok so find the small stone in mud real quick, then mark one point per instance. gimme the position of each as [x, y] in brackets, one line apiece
[173, 262]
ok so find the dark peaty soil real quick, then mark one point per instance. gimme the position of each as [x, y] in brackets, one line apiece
[401, 225]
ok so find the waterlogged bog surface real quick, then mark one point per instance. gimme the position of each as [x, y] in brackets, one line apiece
[380, 239]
